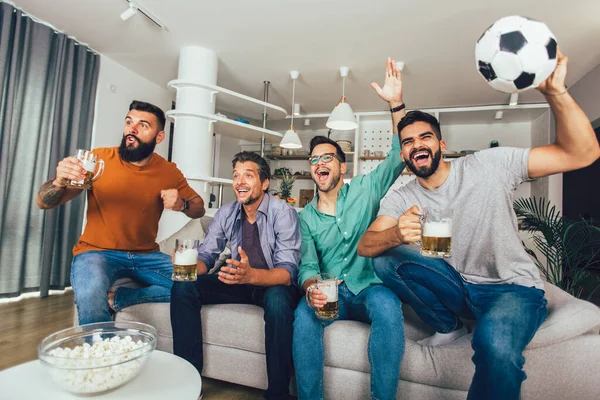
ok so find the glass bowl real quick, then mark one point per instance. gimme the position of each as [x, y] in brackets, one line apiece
[96, 358]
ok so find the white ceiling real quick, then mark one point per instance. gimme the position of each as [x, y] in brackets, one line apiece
[264, 39]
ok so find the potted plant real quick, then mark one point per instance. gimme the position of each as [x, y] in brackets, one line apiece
[571, 248]
[285, 188]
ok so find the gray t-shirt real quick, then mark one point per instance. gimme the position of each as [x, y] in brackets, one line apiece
[480, 190]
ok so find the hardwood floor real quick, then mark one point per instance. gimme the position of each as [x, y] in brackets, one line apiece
[26, 322]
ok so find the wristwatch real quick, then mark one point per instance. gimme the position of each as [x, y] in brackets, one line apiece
[398, 108]
[186, 205]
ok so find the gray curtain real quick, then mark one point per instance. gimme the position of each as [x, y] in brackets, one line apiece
[47, 94]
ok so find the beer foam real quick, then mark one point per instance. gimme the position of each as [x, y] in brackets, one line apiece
[437, 229]
[186, 257]
[330, 291]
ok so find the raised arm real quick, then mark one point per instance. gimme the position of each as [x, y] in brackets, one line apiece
[576, 145]
[55, 192]
[392, 92]
[386, 232]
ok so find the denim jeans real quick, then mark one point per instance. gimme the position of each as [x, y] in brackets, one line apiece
[278, 303]
[376, 305]
[94, 272]
[507, 315]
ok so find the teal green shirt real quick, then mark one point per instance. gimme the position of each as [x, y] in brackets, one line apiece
[329, 243]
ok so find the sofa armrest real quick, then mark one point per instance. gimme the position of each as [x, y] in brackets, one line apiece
[568, 317]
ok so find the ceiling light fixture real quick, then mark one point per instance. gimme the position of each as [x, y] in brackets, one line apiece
[134, 8]
[342, 117]
[296, 109]
[514, 99]
[290, 139]
[499, 115]
[130, 12]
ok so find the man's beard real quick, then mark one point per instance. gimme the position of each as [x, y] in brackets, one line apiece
[425, 172]
[142, 151]
[251, 200]
[335, 179]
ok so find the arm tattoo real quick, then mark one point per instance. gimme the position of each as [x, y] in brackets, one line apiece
[51, 195]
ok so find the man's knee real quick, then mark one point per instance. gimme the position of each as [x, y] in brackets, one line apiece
[304, 317]
[386, 265]
[183, 290]
[385, 307]
[279, 303]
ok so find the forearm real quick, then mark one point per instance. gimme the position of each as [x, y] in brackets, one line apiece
[196, 208]
[396, 116]
[574, 133]
[52, 194]
[201, 268]
[271, 277]
[373, 243]
[308, 282]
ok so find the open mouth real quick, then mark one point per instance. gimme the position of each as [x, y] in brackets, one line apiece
[322, 174]
[242, 191]
[421, 157]
[130, 139]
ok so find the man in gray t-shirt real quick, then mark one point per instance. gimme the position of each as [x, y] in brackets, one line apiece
[489, 276]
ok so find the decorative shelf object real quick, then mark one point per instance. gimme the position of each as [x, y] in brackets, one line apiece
[297, 176]
[299, 157]
[292, 157]
[366, 158]
[228, 127]
[235, 100]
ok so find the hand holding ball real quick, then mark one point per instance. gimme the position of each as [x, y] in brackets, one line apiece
[516, 54]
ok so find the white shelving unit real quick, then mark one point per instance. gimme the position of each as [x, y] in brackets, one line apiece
[228, 127]
[234, 99]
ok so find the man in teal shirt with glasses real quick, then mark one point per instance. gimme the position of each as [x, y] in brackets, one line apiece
[332, 224]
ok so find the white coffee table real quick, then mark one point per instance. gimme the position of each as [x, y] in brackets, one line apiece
[165, 376]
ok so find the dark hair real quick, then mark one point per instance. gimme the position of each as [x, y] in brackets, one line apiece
[264, 171]
[419, 116]
[317, 140]
[151, 108]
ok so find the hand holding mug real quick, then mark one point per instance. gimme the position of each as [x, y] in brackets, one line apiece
[69, 169]
[409, 225]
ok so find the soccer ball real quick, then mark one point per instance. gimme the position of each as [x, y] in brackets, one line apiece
[516, 54]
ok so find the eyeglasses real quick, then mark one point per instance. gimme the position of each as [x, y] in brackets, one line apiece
[326, 158]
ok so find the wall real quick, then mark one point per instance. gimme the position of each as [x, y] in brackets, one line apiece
[587, 93]
[540, 136]
[112, 107]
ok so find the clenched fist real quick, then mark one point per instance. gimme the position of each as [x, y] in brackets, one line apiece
[171, 199]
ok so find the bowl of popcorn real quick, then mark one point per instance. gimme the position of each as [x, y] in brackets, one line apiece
[96, 358]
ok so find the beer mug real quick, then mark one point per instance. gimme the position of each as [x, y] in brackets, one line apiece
[328, 285]
[88, 161]
[436, 232]
[184, 260]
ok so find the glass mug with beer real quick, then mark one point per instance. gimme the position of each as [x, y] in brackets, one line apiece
[436, 232]
[328, 285]
[184, 260]
[89, 162]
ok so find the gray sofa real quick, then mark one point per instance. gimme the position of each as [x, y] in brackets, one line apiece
[562, 360]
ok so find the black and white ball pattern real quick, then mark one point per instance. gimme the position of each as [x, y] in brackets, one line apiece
[516, 54]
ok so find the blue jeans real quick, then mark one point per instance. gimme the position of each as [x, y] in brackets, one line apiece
[507, 315]
[376, 305]
[94, 272]
[278, 303]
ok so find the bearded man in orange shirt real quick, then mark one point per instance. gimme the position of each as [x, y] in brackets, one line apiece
[124, 207]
